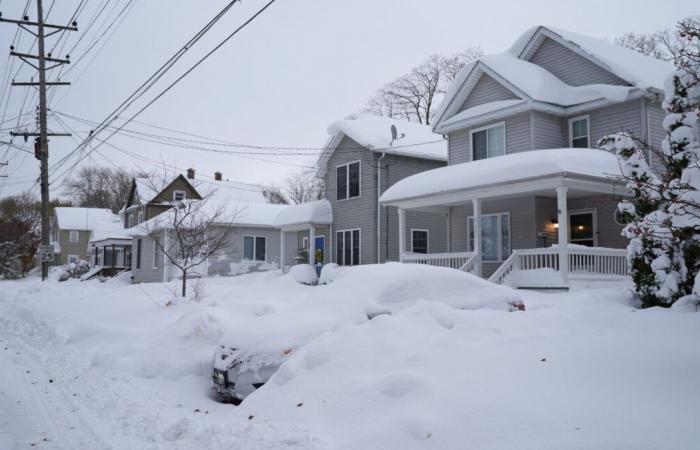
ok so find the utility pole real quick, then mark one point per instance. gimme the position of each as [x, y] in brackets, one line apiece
[42, 142]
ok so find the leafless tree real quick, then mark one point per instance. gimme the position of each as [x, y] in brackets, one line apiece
[191, 231]
[273, 194]
[304, 187]
[668, 45]
[100, 187]
[413, 96]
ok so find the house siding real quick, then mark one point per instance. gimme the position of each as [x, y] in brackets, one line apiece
[147, 273]
[517, 138]
[79, 248]
[487, 90]
[232, 253]
[655, 119]
[570, 67]
[625, 116]
[548, 131]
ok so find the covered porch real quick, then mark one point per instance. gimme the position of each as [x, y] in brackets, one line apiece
[112, 253]
[305, 233]
[532, 220]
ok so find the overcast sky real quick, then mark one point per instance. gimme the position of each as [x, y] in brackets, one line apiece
[282, 81]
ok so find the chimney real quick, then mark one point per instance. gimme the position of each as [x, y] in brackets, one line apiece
[217, 176]
[190, 174]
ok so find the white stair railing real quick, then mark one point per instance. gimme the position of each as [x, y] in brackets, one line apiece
[510, 264]
[451, 260]
[470, 265]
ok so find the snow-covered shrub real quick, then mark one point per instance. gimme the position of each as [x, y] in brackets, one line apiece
[304, 274]
[329, 273]
[198, 290]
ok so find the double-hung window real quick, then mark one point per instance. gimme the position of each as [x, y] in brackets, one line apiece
[73, 236]
[489, 141]
[140, 216]
[495, 236]
[254, 248]
[348, 247]
[419, 241]
[579, 135]
[348, 180]
[179, 196]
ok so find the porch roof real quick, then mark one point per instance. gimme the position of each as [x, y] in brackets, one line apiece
[317, 212]
[513, 174]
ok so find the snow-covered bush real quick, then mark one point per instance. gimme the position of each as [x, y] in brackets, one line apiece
[304, 274]
[329, 273]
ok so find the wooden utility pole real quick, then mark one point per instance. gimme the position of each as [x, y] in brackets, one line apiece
[42, 144]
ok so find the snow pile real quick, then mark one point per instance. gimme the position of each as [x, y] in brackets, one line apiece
[330, 272]
[374, 132]
[317, 212]
[247, 266]
[505, 169]
[303, 274]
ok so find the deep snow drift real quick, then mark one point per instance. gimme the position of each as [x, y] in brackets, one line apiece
[98, 365]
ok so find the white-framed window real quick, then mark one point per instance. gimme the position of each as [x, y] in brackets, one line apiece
[73, 236]
[255, 248]
[140, 216]
[73, 259]
[621, 218]
[579, 132]
[348, 246]
[488, 141]
[583, 227]
[305, 243]
[155, 255]
[130, 220]
[179, 196]
[348, 180]
[495, 236]
[419, 240]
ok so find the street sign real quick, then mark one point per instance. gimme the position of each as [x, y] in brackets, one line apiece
[46, 253]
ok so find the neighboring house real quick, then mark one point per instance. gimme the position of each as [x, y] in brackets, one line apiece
[522, 171]
[360, 161]
[73, 228]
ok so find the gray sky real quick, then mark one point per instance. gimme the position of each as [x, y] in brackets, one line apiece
[285, 78]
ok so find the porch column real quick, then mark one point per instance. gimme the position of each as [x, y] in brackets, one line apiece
[282, 250]
[402, 233]
[476, 205]
[114, 250]
[312, 244]
[563, 220]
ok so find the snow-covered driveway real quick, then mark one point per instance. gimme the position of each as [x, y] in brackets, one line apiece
[106, 365]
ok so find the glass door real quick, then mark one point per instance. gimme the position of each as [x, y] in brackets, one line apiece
[582, 228]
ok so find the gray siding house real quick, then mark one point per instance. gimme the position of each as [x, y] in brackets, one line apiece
[361, 161]
[551, 96]
[72, 228]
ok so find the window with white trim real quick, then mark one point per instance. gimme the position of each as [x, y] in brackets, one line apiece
[140, 216]
[495, 236]
[579, 135]
[179, 196]
[73, 259]
[74, 236]
[348, 180]
[419, 240]
[489, 141]
[254, 248]
[348, 247]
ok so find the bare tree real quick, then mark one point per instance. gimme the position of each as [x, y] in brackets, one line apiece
[100, 187]
[304, 187]
[190, 232]
[273, 194]
[413, 96]
[667, 45]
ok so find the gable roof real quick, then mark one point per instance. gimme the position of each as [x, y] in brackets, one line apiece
[148, 188]
[534, 83]
[374, 134]
[85, 219]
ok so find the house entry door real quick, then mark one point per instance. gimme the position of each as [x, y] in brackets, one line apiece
[583, 228]
[320, 243]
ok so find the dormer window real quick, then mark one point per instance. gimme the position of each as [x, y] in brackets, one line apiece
[579, 135]
[489, 141]
[179, 196]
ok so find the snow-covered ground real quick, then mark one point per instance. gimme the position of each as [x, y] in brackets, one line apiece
[108, 365]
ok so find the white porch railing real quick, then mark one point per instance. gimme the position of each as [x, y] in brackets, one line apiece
[470, 265]
[582, 261]
[451, 260]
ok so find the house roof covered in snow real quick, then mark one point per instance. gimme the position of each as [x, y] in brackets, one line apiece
[374, 133]
[319, 212]
[88, 219]
[501, 170]
[535, 85]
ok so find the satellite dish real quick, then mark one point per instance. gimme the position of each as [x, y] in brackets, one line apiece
[394, 133]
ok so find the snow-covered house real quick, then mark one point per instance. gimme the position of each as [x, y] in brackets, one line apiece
[73, 228]
[363, 156]
[525, 191]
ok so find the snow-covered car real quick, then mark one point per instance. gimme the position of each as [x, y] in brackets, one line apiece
[248, 356]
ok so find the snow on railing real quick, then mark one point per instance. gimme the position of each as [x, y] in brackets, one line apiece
[451, 260]
[581, 261]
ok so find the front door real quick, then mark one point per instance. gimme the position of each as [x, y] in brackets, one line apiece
[582, 228]
[320, 242]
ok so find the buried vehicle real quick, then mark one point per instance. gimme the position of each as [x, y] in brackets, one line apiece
[247, 357]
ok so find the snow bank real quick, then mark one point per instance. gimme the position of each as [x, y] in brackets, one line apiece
[506, 169]
[330, 272]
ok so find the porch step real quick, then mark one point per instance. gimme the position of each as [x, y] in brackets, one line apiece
[545, 288]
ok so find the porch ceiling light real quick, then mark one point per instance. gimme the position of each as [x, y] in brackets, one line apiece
[555, 223]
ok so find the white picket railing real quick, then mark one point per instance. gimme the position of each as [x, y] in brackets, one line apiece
[582, 261]
[451, 260]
